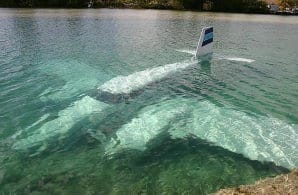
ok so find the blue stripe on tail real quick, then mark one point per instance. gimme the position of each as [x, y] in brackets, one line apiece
[207, 42]
[208, 38]
[209, 30]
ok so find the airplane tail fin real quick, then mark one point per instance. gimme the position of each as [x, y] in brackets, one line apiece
[205, 44]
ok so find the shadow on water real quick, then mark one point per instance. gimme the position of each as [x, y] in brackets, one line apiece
[179, 166]
[205, 67]
[191, 165]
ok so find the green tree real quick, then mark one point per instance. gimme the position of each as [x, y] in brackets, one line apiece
[248, 6]
[288, 3]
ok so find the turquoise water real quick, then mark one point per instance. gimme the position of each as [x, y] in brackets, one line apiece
[199, 127]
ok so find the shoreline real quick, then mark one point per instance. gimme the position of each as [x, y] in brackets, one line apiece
[281, 184]
[142, 8]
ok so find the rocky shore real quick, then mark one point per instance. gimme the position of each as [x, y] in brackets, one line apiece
[281, 184]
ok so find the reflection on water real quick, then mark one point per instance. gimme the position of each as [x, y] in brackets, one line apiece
[200, 126]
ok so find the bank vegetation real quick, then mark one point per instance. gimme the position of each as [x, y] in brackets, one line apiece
[245, 6]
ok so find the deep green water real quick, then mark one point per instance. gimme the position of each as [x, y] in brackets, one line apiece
[208, 126]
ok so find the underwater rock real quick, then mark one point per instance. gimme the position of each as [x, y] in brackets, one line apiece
[281, 184]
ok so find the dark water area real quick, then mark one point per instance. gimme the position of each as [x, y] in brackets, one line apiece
[175, 166]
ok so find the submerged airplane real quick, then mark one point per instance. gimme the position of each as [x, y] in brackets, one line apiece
[114, 90]
[69, 120]
[200, 118]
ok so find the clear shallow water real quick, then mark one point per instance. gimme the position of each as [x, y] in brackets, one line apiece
[208, 126]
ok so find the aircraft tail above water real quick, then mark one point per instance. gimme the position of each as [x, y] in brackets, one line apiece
[122, 86]
[205, 44]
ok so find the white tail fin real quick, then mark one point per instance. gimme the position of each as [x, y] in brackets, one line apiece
[205, 44]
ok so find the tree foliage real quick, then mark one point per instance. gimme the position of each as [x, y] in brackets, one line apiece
[288, 3]
[213, 5]
[43, 3]
[249, 6]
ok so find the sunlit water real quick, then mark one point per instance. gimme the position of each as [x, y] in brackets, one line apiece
[196, 128]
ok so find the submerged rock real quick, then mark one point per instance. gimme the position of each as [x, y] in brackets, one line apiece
[281, 184]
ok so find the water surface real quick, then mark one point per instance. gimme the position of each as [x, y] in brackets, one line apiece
[201, 128]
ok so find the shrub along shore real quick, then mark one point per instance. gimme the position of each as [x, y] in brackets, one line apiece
[240, 6]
